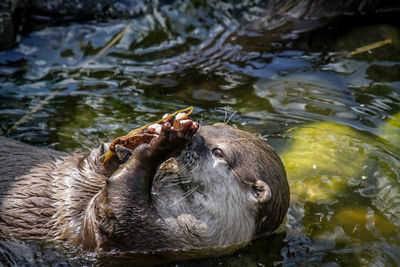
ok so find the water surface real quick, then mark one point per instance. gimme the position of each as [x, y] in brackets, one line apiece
[336, 124]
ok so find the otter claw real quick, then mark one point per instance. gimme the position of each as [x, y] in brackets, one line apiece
[166, 117]
[173, 123]
[166, 126]
[195, 125]
[172, 139]
[185, 123]
[180, 116]
[158, 128]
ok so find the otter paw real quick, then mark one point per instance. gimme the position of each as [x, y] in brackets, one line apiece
[173, 135]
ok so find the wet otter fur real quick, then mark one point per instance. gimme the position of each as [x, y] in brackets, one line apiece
[187, 194]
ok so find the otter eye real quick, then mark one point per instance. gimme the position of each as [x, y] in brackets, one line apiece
[218, 152]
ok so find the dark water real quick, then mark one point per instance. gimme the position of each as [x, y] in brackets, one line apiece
[336, 124]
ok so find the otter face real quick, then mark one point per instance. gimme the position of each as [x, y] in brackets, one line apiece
[240, 178]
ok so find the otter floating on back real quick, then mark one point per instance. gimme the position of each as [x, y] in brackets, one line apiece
[192, 192]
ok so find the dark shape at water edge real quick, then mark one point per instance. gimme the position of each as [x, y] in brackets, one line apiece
[15, 15]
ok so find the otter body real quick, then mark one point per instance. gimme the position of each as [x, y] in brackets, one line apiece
[200, 192]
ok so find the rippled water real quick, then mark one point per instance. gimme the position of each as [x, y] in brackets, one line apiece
[335, 124]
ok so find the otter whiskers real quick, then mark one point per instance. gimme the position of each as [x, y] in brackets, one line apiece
[186, 195]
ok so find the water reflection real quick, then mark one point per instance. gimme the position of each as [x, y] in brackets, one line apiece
[334, 123]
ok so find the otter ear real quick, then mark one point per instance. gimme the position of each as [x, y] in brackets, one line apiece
[262, 191]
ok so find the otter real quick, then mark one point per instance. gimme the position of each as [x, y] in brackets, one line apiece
[191, 192]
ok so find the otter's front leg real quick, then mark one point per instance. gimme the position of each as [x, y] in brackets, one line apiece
[135, 177]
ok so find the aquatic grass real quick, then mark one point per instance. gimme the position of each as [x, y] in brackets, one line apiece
[363, 49]
[107, 47]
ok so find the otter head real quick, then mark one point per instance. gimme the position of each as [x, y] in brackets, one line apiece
[241, 178]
